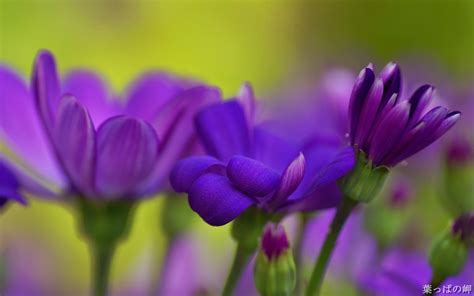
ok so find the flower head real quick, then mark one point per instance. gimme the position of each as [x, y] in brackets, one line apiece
[389, 129]
[249, 166]
[75, 136]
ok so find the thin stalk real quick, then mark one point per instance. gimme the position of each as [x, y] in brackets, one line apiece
[297, 250]
[319, 271]
[101, 269]
[241, 260]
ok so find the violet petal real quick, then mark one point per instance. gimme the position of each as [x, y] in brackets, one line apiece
[223, 130]
[216, 200]
[127, 150]
[186, 171]
[251, 176]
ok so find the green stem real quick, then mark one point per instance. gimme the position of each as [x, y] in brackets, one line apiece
[317, 276]
[434, 283]
[242, 256]
[103, 255]
[302, 222]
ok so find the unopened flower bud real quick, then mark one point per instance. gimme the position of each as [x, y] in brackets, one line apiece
[458, 197]
[365, 181]
[274, 270]
[463, 227]
[447, 256]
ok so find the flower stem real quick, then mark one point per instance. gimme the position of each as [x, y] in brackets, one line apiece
[317, 276]
[103, 255]
[241, 258]
[302, 223]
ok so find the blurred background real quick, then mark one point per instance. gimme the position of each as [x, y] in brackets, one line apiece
[269, 43]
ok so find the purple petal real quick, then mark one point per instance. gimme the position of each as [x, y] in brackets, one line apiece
[216, 200]
[186, 171]
[368, 113]
[360, 90]
[9, 186]
[174, 124]
[223, 130]
[127, 152]
[388, 133]
[429, 135]
[291, 179]
[46, 89]
[150, 92]
[419, 101]
[274, 240]
[392, 81]
[339, 166]
[21, 129]
[92, 92]
[416, 137]
[272, 150]
[74, 139]
[251, 176]
[246, 98]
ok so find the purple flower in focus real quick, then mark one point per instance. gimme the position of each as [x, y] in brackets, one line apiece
[389, 129]
[72, 135]
[247, 166]
[9, 186]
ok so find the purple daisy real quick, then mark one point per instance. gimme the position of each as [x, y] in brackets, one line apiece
[389, 129]
[73, 136]
[248, 166]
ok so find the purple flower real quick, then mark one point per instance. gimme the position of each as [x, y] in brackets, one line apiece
[354, 239]
[74, 136]
[248, 166]
[459, 152]
[404, 272]
[389, 129]
[9, 186]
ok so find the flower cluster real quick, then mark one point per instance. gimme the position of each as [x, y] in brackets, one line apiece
[242, 161]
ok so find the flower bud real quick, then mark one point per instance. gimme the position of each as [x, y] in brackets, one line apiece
[364, 182]
[274, 270]
[463, 227]
[447, 256]
[458, 197]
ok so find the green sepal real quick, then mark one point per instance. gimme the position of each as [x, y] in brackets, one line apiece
[247, 228]
[364, 182]
[447, 256]
[275, 277]
[105, 222]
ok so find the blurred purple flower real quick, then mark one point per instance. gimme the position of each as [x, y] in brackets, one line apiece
[401, 192]
[74, 135]
[180, 274]
[247, 165]
[9, 186]
[354, 239]
[387, 128]
[406, 272]
[460, 151]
